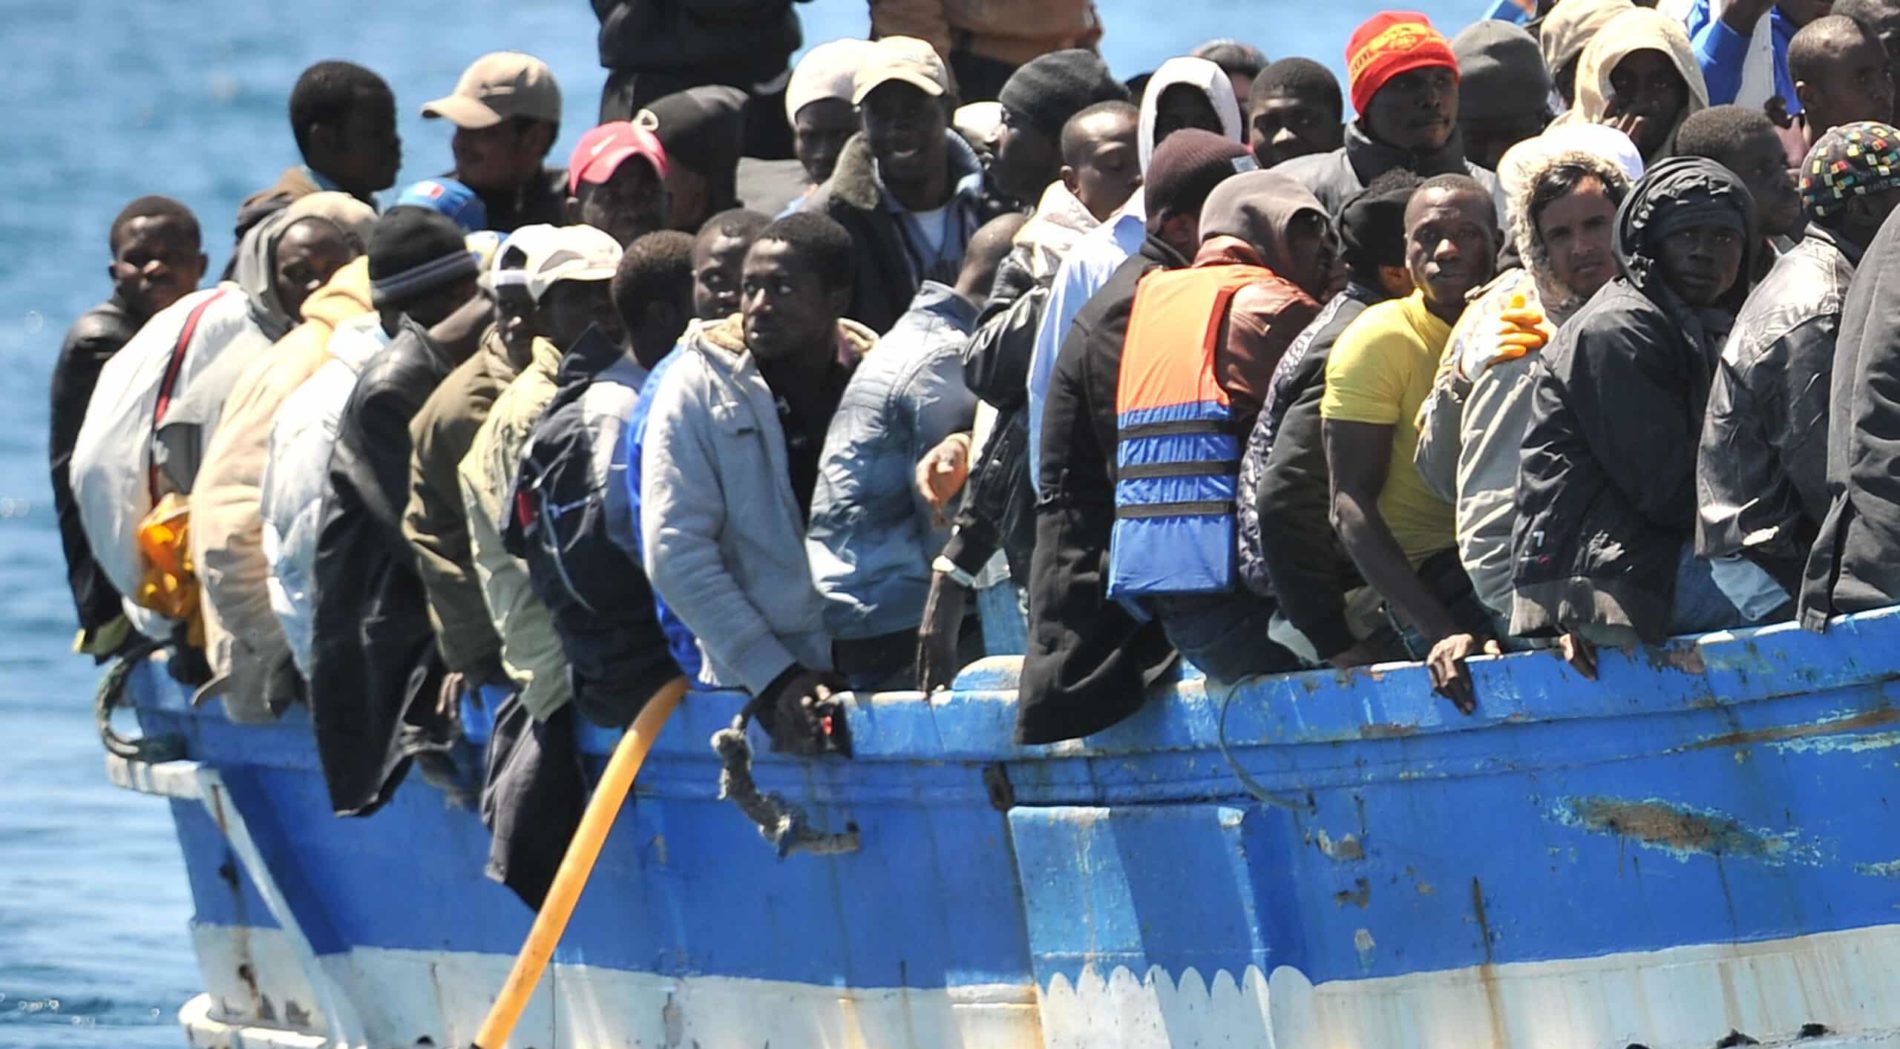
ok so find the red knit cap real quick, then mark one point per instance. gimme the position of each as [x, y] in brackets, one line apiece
[1390, 43]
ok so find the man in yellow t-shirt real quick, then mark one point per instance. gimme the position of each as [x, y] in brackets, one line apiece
[1397, 532]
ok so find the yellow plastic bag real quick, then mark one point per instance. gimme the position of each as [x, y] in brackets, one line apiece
[168, 583]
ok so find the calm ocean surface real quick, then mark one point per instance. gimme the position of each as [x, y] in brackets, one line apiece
[113, 98]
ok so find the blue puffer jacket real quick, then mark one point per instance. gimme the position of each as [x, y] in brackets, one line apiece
[871, 538]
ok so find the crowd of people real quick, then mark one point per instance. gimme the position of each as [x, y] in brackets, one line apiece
[1564, 334]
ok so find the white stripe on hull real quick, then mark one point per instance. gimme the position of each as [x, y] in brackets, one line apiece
[1680, 998]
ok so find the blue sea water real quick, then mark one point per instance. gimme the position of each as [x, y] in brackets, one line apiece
[109, 99]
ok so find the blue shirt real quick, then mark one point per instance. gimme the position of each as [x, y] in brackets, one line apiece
[1088, 266]
[679, 640]
[1721, 51]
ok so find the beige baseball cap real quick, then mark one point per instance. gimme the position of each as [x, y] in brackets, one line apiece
[905, 59]
[499, 86]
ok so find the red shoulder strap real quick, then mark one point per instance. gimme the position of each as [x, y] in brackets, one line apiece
[170, 382]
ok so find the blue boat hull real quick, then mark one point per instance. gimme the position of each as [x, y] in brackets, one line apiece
[1701, 841]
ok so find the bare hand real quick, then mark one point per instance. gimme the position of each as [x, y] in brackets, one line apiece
[942, 472]
[1777, 110]
[1580, 654]
[937, 636]
[803, 715]
[1450, 677]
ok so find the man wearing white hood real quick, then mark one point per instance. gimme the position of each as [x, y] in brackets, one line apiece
[1183, 93]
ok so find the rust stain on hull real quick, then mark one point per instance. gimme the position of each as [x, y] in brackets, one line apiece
[1784, 733]
[1673, 828]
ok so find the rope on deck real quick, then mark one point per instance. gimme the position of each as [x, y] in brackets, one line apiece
[781, 823]
[111, 695]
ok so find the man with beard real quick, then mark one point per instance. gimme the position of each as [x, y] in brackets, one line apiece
[506, 109]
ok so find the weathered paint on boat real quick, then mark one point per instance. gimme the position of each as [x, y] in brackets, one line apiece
[1701, 841]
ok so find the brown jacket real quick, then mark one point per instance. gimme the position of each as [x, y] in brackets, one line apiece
[1262, 321]
[435, 522]
[1012, 31]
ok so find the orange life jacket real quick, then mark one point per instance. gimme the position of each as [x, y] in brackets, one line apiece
[1177, 454]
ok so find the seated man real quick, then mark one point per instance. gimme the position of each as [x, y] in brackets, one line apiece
[157, 259]
[729, 467]
[1405, 90]
[569, 495]
[1294, 109]
[344, 120]
[1564, 206]
[375, 672]
[908, 189]
[1606, 488]
[568, 283]
[434, 519]
[870, 539]
[1742, 47]
[1088, 659]
[1288, 550]
[1744, 141]
[1503, 90]
[1267, 257]
[507, 113]
[1396, 531]
[1840, 76]
[1761, 474]
[625, 200]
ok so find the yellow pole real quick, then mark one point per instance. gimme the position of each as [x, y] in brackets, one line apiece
[577, 866]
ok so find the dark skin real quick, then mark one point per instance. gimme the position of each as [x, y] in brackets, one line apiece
[1284, 126]
[501, 158]
[1855, 83]
[1414, 111]
[362, 152]
[1313, 249]
[791, 329]
[657, 329]
[690, 194]
[1702, 263]
[1027, 160]
[1647, 97]
[515, 322]
[819, 133]
[629, 205]
[155, 262]
[905, 129]
[1181, 107]
[1762, 164]
[1884, 22]
[307, 255]
[1863, 216]
[463, 298]
[1741, 15]
[718, 267]
[1101, 164]
[571, 307]
[1451, 245]
[1487, 138]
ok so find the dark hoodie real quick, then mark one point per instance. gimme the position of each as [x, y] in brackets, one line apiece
[1606, 492]
[1335, 177]
[1852, 567]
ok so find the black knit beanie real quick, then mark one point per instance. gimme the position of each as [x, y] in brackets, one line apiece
[1187, 166]
[413, 251]
[1049, 89]
[1372, 226]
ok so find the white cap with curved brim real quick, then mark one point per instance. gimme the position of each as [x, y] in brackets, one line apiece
[498, 86]
[580, 253]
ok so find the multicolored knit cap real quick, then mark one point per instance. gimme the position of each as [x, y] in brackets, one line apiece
[1852, 160]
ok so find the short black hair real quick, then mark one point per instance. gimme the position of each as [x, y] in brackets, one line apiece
[1820, 42]
[156, 207]
[1301, 78]
[1234, 57]
[1454, 182]
[1867, 12]
[1717, 132]
[1562, 178]
[327, 91]
[655, 268]
[735, 223]
[820, 240]
[1072, 129]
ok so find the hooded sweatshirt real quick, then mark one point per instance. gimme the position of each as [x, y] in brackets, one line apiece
[1472, 427]
[722, 533]
[1606, 487]
[1638, 29]
[1202, 76]
[243, 640]
[1569, 28]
